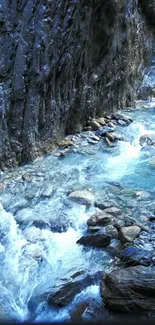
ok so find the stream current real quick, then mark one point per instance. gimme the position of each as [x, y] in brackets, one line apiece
[39, 225]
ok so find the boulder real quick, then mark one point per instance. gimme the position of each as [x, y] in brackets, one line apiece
[114, 137]
[94, 138]
[128, 234]
[103, 204]
[94, 124]
[130, 290]
[109, 230]
[95, 240]
[109, 142]
[136, 256]
[147, 140]
[114, 211]
[120, 117]
[99, 219]
[82, 197]
[64, 294]
[101, 121]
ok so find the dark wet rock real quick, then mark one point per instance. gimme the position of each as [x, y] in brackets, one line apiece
[121, 118]
[109, 230]
[82, 197]
[94, 228]
[95, 240]
[65, 293]
[99, 219]
[103, 204]
[136, 256]
[130, 290]
[128, 234]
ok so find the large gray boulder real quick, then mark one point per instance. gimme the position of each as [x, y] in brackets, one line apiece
[130, 290]
[128, 234]
[82, 197]
[100, 219]
[147, 139]
[95, 240]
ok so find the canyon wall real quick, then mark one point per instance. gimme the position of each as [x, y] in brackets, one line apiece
[62, 61]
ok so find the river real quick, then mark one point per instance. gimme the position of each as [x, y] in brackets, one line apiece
[39, 225]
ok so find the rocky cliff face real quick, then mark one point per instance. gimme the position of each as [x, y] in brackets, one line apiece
[62, 61]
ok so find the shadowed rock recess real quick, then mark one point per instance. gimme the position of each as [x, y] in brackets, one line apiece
[63, 61]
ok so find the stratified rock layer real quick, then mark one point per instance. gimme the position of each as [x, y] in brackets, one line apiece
[62, 61]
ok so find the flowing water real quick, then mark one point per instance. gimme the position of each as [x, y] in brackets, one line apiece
[39, 225]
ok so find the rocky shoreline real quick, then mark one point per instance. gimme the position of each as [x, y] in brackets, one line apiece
[129, 287]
